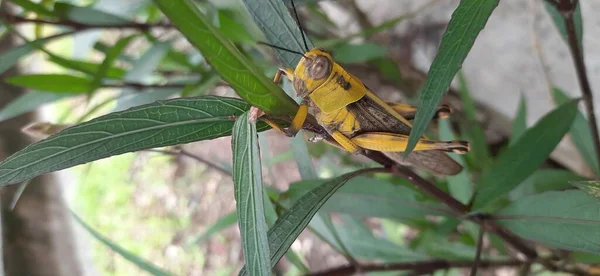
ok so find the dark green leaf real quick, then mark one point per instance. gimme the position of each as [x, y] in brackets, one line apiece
[57, 83]
[134, 259]
[34, 7]
[232, 29]
[369, 197]
[519, 125]
[248, 186]
[567, 220]
[473, 131]
[224, 222]
[559, 22]
[279, 28]
[159, 124]
[580, 132]
[289, 226]
[467, 21]
[545, 180]
[87, 15]
[28, 102]
[591, 187]
[520, 160]
[236, 69]
[89, 68]
[111, 55]
[358, 53]
[303, 159]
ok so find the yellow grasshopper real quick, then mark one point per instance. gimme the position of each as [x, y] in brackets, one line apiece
[356, 118]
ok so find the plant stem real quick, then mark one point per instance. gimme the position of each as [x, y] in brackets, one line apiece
[580, 68]
[15, 19]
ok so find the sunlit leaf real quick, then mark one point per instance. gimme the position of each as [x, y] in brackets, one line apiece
[87, 15]
[248, 186]
[28, 102]
[57, 83]
[247, 80]
[467, 21]
[163, 123]
[520, 160]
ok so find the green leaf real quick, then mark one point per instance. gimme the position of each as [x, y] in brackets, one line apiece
[479, 147]
[89, 68]
[302, 157]
[520, 160]
[591, 187]
[146, 97]
[9, 58]
[544, 180]
[467, 21]
[559, 22]
[358, 53]
[567, 220]
[247, 80]
[519, 125]
[57, 83]
[289, 226]
[159, 124]
[28, 102]
[87, 15]
[34, 7]
[580, 132]
[248, 186]
[221, 224]
[111, 55]
[369, 197]
[459, 185]
[232, 29]
[129, 256]
[279, 28]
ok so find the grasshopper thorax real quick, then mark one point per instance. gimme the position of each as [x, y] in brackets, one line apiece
[312, 71]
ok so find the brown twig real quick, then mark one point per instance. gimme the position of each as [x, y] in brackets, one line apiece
[15, 19]
[419, 267]
[567, 10]
[195, 157]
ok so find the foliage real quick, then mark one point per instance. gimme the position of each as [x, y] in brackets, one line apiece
[167, 96]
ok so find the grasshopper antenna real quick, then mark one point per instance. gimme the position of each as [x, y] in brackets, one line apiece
[281, 48]
[299, 25]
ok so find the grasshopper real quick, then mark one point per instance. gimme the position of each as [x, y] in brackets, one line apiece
[355, 117]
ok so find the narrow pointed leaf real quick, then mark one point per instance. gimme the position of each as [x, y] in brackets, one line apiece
[134, 259]
[580, 132]
[158, 124]
[57, 83]
[9, 58]
[567, 220]
[34, 7]
[224, 222]
[28, 102]
[111, 55]
[279, 28]
[520, 160]
[519, 125]
[248, 186]
[289, 226]
[467, 21]
[559, 22]
[459, 186]
[87, 15]
[247, 80]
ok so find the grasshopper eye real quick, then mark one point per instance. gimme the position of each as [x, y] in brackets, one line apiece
[320, 68]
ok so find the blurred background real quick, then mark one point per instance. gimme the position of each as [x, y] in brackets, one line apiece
[174, 207]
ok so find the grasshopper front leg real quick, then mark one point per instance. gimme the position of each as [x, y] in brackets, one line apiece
[392, 142]
[301, 114]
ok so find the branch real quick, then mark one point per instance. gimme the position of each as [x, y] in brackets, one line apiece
[16, 19]
[567, 9]
[195, 157]
[417, 267]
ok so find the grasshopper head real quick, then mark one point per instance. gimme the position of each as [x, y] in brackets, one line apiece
[312, 71]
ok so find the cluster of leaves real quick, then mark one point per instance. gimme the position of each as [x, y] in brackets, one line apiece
[536, 204]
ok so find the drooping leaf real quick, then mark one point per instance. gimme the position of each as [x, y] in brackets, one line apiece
[28, 102]
[54, 83]
[571, 224]
[279, 28]
[369, 197]
[559, 22]
[159, 124]
[473, 131]
[520, 160]
[580, 132]
[248, 186]
[87, 15]
[289, 226]
[111, 55]
[129, 256]
[9, 58]
[237, 70]
[519, 125]
[87, 67]
[467, 21]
